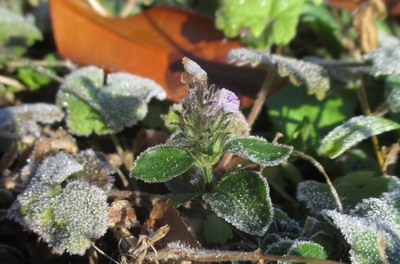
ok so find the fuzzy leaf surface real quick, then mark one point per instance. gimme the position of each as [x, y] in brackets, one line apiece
[313, 76]
[352, 189]
[161, 163]
[394, 100]
[353, 131]
[12, 24]
[366, 222]
[242, 199]
[307, 249]
[105, 109]
[258, 150]
[23, 119]
[385, 61]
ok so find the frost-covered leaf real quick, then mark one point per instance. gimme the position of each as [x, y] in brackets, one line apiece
[313, 76]
[105, 109]
[242, 199]
[23, 119]
[62, 206]
[353, 131]
[216, 230]
[362, 226]
[278, 18]
[161, 163]
[258, 150]
[12, 24]
[352, 189]
[306, 249]
[394, 100]
[385, 61]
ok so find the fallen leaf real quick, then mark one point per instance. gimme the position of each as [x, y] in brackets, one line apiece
[121, 214]
[163, 214]
[151, 44]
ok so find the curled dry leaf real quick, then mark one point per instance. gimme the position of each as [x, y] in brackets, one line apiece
[151, 45]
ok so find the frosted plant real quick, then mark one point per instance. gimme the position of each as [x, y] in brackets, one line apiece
[66, 202]
[206, 128]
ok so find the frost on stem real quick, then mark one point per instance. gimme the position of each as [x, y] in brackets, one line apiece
[65, 202]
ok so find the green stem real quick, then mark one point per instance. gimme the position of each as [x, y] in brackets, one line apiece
[208, 176]
[118, 146]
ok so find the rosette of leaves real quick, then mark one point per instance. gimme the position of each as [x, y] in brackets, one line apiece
[66, 201]
[108, 108]
[372, 219]
[23, 119]
[241, 197]
[313, 76]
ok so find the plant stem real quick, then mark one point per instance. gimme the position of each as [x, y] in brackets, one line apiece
[118, 146]
[208, 176]
[262, 94]
[322, 170]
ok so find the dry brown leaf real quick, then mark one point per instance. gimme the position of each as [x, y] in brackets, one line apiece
[122, 214]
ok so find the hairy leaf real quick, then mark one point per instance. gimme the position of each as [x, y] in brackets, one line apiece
[352, 189]
[362, 226]
[12, 24]
[23, 119]
[307, 249]
[161, 163]
[242, 199]
[385, 61]
[300, 72]
[353, 131]
[258, 150]
[394, 100]
[105, 109]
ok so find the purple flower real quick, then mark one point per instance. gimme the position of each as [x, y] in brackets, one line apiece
[225, 100]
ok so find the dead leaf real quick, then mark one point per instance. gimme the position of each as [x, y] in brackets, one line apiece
[122, 214]
[151, 44]
[165, 214]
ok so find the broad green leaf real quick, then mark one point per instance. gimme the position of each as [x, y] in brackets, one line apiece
[362, 226]
[288, 108]
[353, 131]
[278, 18]
[161, 163]
[352, 189]
[216, 230]
[299, 72]
[105, 109]
[242, 199]
[258, 150]
[23, 119]
[307, 249]
[12, 24]
[384, 61]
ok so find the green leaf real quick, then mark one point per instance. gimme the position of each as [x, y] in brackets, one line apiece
[394, 100]
[278, 18]
[353, 131]
[384, 61]
[182, 198]
[362, 226]
[299, 72]
[12, 24]
[105, 109]
[258, 150]
[352, 189]
[216, 231]
[307, 249]
[161, 163]
[242, 199]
